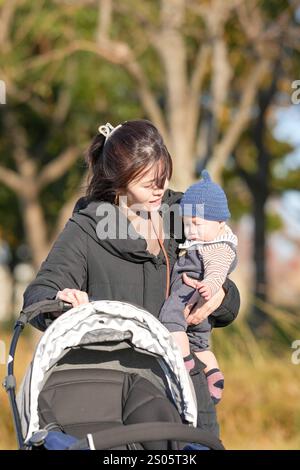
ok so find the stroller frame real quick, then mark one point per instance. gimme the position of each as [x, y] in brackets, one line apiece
[9, 383]
[152, 431]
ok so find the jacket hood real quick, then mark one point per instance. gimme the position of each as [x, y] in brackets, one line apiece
[108, 225]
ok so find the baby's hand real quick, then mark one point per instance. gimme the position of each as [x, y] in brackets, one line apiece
[205, 291]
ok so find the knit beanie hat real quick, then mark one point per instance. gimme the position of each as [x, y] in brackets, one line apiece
[205, 199]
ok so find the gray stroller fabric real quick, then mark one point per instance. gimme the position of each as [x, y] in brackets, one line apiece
[103, 322]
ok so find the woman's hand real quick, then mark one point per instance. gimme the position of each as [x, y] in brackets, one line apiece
[73, 296]
[197, 310]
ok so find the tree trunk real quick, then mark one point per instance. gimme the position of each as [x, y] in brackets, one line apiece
[258, 317]
[35, 229]
[261, 192]
[259, 186]
[183, 161]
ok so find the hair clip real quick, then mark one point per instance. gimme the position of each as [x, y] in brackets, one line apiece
[107, 130]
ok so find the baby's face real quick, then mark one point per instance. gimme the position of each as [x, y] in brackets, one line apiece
[196, 228]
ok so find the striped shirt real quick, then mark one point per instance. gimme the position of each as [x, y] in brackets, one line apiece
[219, 257]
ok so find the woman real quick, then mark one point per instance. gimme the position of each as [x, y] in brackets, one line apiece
[121, 241]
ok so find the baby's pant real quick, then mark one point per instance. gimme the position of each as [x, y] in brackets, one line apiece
[172, 317]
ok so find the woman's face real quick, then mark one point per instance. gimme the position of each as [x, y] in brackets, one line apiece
[144, 193]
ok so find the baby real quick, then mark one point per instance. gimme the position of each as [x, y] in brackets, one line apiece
[208, 255]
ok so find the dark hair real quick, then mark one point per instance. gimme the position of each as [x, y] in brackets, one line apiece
[123, 157]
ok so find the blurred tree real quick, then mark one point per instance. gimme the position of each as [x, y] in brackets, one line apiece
[258, 153]
[184, 57]
[194, 68]
[256, 157]
[211, 53]
[50, 114]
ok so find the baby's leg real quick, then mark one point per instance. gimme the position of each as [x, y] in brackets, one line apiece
[182, 342]
[209, 359]
[199, 338]
[215, 378]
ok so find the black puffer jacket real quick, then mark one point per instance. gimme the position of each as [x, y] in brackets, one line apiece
[115, 268]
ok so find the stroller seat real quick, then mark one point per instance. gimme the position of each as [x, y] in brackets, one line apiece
[90, 390]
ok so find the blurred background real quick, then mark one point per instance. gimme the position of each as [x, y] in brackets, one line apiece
[221, 81]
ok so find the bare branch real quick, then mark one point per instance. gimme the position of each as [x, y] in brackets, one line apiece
[239, 122]
[251, 20]
[147, 98]
[35, 226]
[170, 45]
[215, 16]
[196, 82]
[104, 20]
[54, 55]
[6, 16]
[76, 3]
[64, 100]
[221, 75]
[11, 179]
[62, 106]
[116, 53]
[265, 38]
[56, 168]
[66, 210]
[25, 165]
[221, 68]
[199, 72]
[23, 95]
[130, 63]
[28, 22]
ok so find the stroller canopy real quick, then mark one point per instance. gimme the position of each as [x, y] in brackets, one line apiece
[102, 322]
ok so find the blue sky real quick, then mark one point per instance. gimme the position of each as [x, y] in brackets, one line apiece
[287, 129]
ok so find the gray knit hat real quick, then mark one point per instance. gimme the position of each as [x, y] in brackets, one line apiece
[205, 199]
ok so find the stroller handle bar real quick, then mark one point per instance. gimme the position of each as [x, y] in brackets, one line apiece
[125, 434]
[55, 307]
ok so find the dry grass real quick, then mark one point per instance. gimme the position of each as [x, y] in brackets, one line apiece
[260, 409]
[261, 404]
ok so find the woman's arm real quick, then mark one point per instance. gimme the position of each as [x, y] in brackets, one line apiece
[64, 267]
[227, 312]
[222, 308]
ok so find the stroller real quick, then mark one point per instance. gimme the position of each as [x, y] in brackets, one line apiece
[105, 375]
